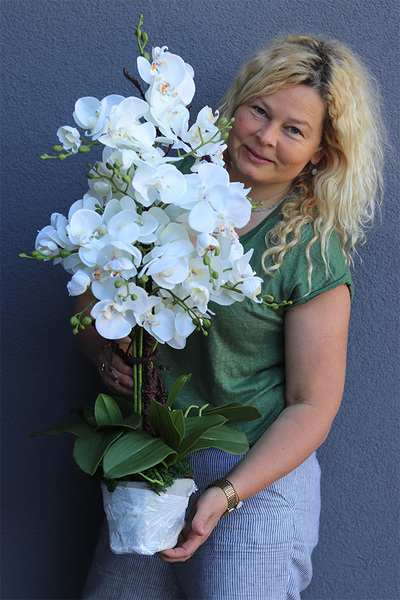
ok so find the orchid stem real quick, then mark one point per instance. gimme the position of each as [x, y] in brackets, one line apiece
[140, 368]
[136, 403]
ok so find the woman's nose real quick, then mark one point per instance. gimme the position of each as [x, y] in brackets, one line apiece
[268, 134]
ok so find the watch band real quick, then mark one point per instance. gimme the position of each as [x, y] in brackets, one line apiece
[229, 491]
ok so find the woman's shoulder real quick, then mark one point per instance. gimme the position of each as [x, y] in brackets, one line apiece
[315, 264]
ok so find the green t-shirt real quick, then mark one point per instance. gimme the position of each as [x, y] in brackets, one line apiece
[242, 358]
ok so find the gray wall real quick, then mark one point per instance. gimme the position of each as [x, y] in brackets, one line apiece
[55, 51]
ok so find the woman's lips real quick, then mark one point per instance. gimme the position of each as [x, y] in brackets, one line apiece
[255, 157]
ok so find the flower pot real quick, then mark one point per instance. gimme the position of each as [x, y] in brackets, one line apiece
[143, 522]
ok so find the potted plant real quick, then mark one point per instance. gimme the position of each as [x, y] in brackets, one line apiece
[154, 241]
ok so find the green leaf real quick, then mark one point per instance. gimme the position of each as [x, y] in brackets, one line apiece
[135, 451]
[196, 427]
[88, 413]
[185, 164]
[77, 426]
[133, 421]
[90, 449]
[179, 421]
[164, 425]
[176, 388]
[225, 438]
[234, 412]
[107, 411]
[125, 405]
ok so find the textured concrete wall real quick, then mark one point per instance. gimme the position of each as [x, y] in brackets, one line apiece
[55, 51]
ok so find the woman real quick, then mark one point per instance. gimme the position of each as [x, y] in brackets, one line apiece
[306, 139]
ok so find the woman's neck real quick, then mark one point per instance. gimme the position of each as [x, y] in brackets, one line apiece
[266, 196]
[262, 194]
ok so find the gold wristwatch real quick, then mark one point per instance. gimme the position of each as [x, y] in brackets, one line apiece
[229, 491]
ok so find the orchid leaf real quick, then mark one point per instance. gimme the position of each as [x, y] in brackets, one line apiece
[77, 426]
[90, 449]
[176, 388]
[125, 405]
[133, 421]
[179, 421]
[107, 411]
[185, 165]
[88, 414]
[225, 438]
[195, 428]
[234, 412]
[135, 451]
[164, 425]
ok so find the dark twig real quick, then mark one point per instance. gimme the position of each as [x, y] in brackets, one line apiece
[135, 82]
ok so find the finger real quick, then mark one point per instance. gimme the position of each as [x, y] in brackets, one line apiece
[117, 383]
[112, 372]
[180, 553]
[120, 365]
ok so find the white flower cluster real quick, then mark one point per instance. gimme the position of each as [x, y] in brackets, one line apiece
[154, 245]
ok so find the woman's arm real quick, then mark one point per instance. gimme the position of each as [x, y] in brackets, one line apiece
[118, 376]
[315, 354]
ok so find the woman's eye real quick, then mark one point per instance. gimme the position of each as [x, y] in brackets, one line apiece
[294, 130]
[259, 110]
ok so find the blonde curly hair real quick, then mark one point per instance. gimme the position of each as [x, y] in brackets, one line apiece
[342, 195]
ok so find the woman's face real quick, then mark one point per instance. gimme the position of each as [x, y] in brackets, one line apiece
[274, 137]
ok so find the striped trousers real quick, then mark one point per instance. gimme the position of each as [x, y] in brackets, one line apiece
[261, 551]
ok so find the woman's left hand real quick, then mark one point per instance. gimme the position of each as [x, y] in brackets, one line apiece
[206, 513]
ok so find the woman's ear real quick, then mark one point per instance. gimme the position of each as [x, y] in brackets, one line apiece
[316, 157]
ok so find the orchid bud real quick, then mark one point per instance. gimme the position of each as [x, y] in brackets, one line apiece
[35, 253]
[86, 320]
[61, 156]
[83, 149]
[206, 323]
[118, 284]
[146, 56]
[91, 176]
[57, 148]
[73, 321]
[108, 166]
[138, 33]
[64, 253]
[206, 259]
[117, 164]
[216, 251]
[269, 298]
[133, 297]
[126, 178]
[144, 37]
[224, 135]
[222, 122]
[214, 275]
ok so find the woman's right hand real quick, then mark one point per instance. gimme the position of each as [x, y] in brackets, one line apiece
[115, 373]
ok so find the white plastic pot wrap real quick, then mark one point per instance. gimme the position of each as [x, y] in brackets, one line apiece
[143, 522]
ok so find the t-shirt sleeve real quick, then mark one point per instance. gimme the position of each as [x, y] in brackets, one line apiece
[298, 287]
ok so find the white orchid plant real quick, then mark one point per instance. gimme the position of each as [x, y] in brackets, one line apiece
[154, 241]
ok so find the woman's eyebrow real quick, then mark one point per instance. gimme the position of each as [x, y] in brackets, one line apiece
[293, 119]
